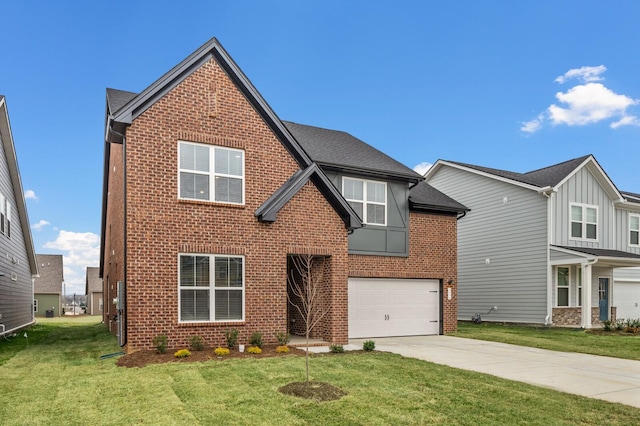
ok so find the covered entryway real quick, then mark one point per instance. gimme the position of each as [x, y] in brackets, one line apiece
[381, 307]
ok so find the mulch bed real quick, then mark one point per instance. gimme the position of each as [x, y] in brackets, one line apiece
[146, 357]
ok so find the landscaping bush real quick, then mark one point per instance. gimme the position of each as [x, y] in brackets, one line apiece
[282, 338]
[336, 349]
[231, 335]
[369, 345]
[254, 350]
[196, 343]
[256, 339]
[160, 343]
[282, 349]
[182, 353]
[221, 351]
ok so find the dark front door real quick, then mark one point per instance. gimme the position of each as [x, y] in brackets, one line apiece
[603, 298]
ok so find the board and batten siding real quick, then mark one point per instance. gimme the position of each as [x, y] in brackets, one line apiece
[622, 231]
[16, 285]
[582, 188]
[502, 247]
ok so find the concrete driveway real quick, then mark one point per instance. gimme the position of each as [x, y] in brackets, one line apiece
[610, 379]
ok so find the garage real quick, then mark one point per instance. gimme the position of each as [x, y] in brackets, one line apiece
[381, 307]
[626, 298]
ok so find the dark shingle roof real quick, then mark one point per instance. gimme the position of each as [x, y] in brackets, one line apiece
[51, 274]
[425, 197]
[547, 176]
[602, 252]
[630, 196]
[341, 150]
[93, 281]
[116, 99]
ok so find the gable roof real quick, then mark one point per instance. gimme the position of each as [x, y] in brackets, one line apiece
[338, 150]
[51, 274]
[14, 173]
[93, 283]
[546, 178]
[424, 197]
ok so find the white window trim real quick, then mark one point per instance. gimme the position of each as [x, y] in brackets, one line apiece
[584, 222]
[364, 199]
[212, 174]
[631, 230]
[568, 286]
[35, 305]
[212, 288]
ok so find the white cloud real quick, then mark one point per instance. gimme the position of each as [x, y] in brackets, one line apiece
[589, 103]
[586, 103]
[40, 225]
[30, 194]
[583, 74]
[533, 125]
[422, 168]
[82, 250]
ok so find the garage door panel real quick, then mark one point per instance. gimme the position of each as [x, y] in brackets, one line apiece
[393, 307]
[626, 298]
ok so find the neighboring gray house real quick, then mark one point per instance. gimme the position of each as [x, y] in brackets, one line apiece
[48, 286]
[94, 291]
[541, 245]
[17, 257]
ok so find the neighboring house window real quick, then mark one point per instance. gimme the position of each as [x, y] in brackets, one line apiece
[584, 222]
[3, 213]
[35, 305]
[211, 173]
[562, 284]
[634, 230]
[100, 305]
[211, 288]
[579, 286]
[367, 198]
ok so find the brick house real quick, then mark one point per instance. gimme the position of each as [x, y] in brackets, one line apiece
[207, 196]
[47, 287]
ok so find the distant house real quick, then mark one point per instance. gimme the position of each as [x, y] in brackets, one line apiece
[547, 246]
[209, 197]
[18, 265]
[48, 286]
[94, 291]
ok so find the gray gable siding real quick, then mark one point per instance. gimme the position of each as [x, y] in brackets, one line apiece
[16, 297]
[507, 225]
[582, 188]
[390, 240]
[621, 236]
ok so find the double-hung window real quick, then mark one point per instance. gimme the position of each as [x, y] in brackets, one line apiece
[368, 199]
[634, 229]
[584, 222]
[562, 284]
[210, 173]
[211, 288]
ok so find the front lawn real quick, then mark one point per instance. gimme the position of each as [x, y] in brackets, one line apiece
[61, 379]
[625, 346]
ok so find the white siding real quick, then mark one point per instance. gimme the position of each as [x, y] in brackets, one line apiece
[622, 231]
[507, 225]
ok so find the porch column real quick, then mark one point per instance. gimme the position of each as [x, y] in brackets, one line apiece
[586, 295]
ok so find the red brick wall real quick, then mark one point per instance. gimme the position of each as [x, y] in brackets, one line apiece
[159, 226]
[432, 255]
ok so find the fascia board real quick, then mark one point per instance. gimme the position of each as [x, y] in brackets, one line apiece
[599, 174]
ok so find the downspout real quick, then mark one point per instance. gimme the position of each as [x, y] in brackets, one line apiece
[549, 193]
[124, 262]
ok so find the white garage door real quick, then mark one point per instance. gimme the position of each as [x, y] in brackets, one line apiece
[626, 297]
[393, 307]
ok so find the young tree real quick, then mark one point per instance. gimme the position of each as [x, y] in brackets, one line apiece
[307, 295]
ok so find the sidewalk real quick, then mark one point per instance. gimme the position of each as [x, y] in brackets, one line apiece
[610, 379]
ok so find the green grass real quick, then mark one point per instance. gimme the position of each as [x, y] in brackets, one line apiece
[554, 338]
[61, 379]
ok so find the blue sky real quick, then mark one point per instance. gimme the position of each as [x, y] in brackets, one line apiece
[504, 84]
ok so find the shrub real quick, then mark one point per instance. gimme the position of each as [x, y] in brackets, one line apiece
[256, 339]
[196, 343]
[182, 353]
[369, 345]
[282, 338]
[221, 351]
[282, 349]
[254, 350]
[619, 324]
[231, 335]
[608, 325]
[160, 343]
[336, 349]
